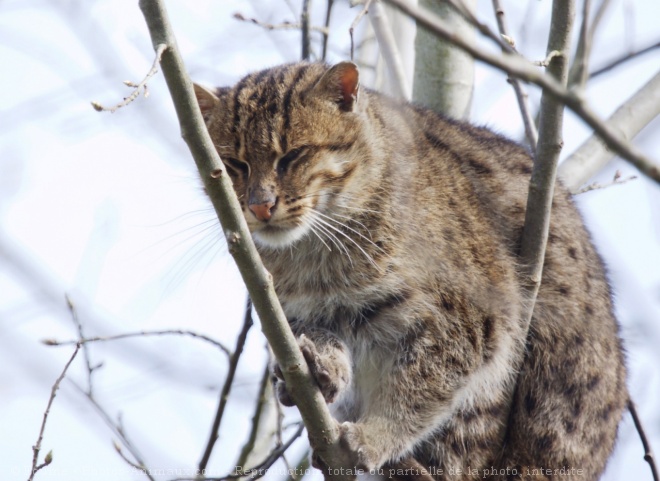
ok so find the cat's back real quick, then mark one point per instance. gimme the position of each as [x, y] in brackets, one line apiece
[572, 374]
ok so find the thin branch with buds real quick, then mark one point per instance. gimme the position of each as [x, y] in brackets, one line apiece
[37, 446]
[628, 120]
[81, 336]
[120, 432]
[617, 180]
[117, 428]
[139, 88]
[166, 332]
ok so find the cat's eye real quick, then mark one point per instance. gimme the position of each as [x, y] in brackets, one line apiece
[236, 165]
[293, 155]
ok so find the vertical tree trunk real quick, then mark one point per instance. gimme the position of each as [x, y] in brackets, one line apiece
[444, 75]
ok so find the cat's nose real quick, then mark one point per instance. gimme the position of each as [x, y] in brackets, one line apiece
[263, 211]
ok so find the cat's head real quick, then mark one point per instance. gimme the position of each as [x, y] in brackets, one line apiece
[290, 139]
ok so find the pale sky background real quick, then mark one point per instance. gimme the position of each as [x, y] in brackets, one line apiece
[107, 208]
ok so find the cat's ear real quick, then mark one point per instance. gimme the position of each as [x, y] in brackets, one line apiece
[206, 99]
[341, 84]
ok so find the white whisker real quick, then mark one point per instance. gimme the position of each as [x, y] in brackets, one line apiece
[342, 224]
[339, 231]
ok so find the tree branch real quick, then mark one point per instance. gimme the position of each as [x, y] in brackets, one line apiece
[328, 13]
[388, 49]
[120, 433]
[623, 59]
[137, 88]
[577, 75]
[37, 447]
[444, 74]
[180, 332]
[286, 25]
[628, 120]
[263, 398]
[648, 452]
[518, 67]
[617, 180]
[226, 387]
[355, 23]
[542, 183]
[304, 22]
[521, 93]
[322, 428]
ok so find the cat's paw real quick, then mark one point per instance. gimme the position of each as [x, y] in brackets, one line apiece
[329, 368]
[330, 372]
[353, 440]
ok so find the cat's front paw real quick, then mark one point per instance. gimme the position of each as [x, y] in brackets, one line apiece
[328, 365]
[329, 369]
[353, 440]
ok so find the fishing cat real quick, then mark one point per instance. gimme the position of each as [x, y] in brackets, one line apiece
[392, 235]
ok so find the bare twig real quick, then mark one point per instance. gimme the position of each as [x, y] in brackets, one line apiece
[126, 459]
[226, 387]
[328, 14]
[577, 76]
[548, 59]
[304, 22]
[120, 433]
[81, 336]
[262, 468]
[263, 398]
[521, 93]
[37, 447]
[355, 23]
[301, 467]
[542, 183]
[648, 452]
[617, 180]
[388, 49]
[167, 332]
[628, 120]
[137, 88]
[501, 41]
[520, 68]
[281, 26]
[623, 59]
